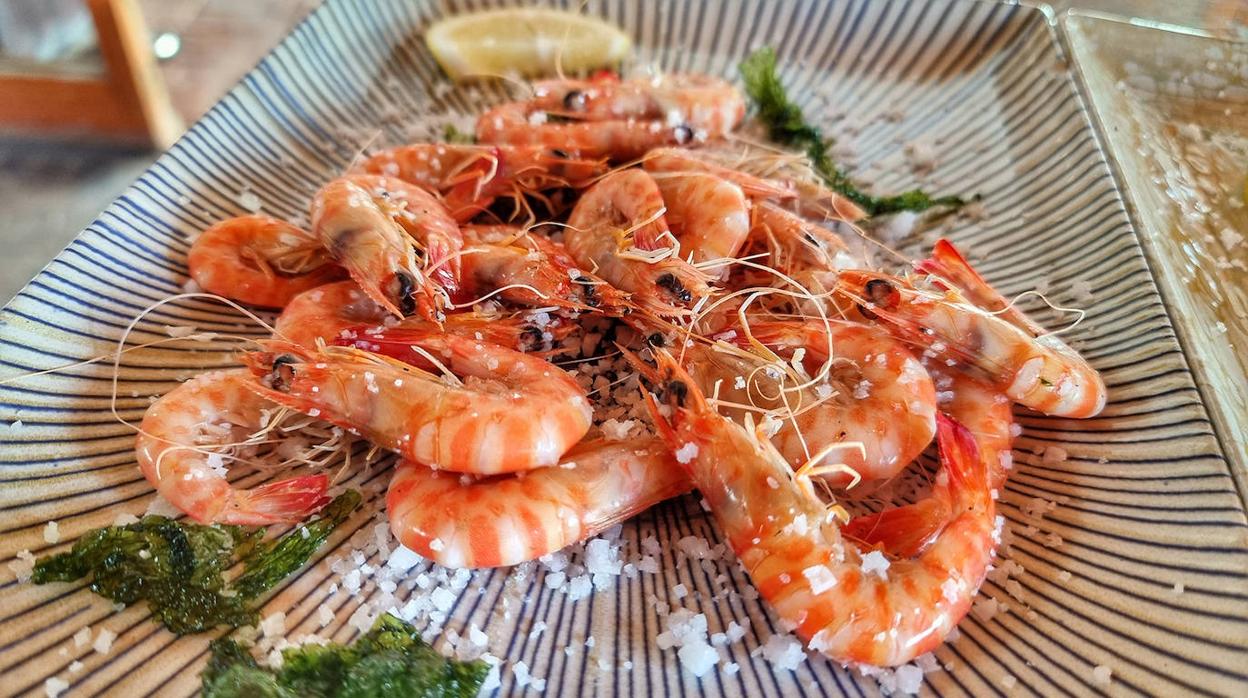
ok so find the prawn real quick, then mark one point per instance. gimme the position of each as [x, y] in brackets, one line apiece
[795, 244]
[174, 451]
[259, 260]
[617, 230]
[471, 177]
[369, 224]
[950, 269]
[620, 120]
[809, 194]
[500, 411]
[907, 530]
[342, 313]
[686, 161]
[507, 519]
[709, 216]
[531, 270]
[1040, 372]
[814, 578]
[883, 398]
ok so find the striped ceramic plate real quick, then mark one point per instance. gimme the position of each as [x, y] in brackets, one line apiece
[1127, 530]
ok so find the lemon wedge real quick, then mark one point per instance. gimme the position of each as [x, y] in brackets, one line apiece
[529, 42]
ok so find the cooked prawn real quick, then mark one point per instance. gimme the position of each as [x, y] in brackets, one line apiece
[507, 411]
[709, 217]
[877, 395]
[531, 270]
[907, 530]
[621, 120]
[370, 224]
[1042, 372]
[341, 313]
[175, 452]
[618, 232]
[795, 244]
[259, 260]
[950, 269]
[813, 578]
[471, 177]
[507, 519]
[684, 160]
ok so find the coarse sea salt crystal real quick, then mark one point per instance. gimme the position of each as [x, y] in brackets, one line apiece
[55, 686]
[402, 558]
[784, 651]
[249, 201]
[104, 641]
[697, 658]
[274, 625]
[324, 615]
[82, 638]
[442, 599]
[579, 587]
[1102, 675]
[875, 561]
[820, 577]
[686, 453]
[23, 566]
[909, 678]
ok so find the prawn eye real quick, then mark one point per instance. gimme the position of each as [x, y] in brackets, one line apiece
[673, 286]
[407, 285]
[531, 338]
[590, 293]
[656, 340]
[678, 391]
[283, 372]
[882, 293]
[683, 134]
[559, 154]
[574, 101]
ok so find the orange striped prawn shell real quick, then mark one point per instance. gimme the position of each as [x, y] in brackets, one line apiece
[341, 313]
[372, 224]
[504, 412]
[1042, 373]
[617, 119]
[531, 269]
[471, 177]
[907, 531]
[813, 578]
[259, 260]
[880, 397]
[459, 521]
[614, 226]
[211, 411]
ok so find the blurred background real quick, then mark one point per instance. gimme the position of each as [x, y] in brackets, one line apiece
[58, 169]
[92, 90]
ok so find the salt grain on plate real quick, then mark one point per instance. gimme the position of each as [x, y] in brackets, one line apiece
[784, 651]
[23, 566]
[54, 686]
[104, 641]
[1102, 675]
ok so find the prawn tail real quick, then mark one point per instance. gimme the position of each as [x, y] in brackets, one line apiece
[960, 461]
[906, 531]
[285, 501]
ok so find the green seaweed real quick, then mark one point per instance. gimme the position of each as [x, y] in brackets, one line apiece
[786, 125]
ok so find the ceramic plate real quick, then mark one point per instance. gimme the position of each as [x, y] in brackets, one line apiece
[1173, 105]
[1128, 539]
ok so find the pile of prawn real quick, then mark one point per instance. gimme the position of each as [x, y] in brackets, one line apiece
[434, 303]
